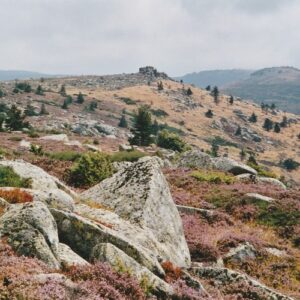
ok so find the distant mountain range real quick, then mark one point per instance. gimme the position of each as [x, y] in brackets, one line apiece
[279, 85]
[17, 74]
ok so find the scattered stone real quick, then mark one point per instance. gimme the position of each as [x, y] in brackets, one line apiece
[67, 257]
[241, 253]
[229, 165]
[276, 252]
[25, 144]
[195, 159]
[56, 137]
[255, 196]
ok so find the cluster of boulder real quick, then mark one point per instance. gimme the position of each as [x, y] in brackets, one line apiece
[128, 220]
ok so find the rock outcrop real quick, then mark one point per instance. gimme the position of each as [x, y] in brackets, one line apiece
[140, 194]
[120, 261]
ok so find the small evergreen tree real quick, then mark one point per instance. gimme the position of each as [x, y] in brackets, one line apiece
[142, 127]
[155, 127]
[268, 124]
[277, 128]
[215, 93]
[30, 111]
[62, 90]
[160, 86]
[252, 160]
[214, 150]
[80, 98]
[2, 119]
[39, 90]
[238, 131]
[209, 114]
[243, 154]
[15, 119]
[231, 100]
[123, 122]
[208, 88]
[273, 106]
[284, 122]
[43, 110]
[69, 99]
[253, 118]
[1, 93]
[92, 106]
[189, 92]
[65, 104]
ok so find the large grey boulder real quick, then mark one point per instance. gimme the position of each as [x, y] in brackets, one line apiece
[31, 231]
[53, 198]
[241, 253]
[258, 179]
[226, 164]
[224, 276]
[258, 197]
[195, 159]
[82, 235]
[140, 194]
[120, 261]
[40, 180]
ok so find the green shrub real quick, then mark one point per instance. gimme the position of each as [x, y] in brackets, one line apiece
[159, 113]
[169, 140]
[127, 156]
[261, 171]
[290, 164]
[33, 134]
[90, 169]
[15, 138]
[65, 155]
[128, 101]
[8, 178]
[213, 177]
[36, 150]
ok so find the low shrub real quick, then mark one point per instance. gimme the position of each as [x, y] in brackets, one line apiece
[213, 177]
[159, 113]
[64, 155]
[172, 141]
[172, 272]
[127, 156]
[15, 138]
[15, 196]
[261, 171]
[36, 150]
[128, 101]
[33, 134]
[90, 169]
[8, 178]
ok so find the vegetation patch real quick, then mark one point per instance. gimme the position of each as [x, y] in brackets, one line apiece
[219, 141]
[64, 155]
[159, 113]
[213, 177]
[172, 141]
[15, 196]
[131, 156]
[8, 178]
[128, 101]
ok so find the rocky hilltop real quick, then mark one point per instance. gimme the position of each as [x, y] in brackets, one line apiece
[208, 208]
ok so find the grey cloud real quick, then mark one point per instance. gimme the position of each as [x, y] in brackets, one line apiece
[177, 36]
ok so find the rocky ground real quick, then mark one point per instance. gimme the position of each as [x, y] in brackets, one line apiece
[164, 225]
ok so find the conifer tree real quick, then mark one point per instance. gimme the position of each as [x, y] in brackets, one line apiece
[277, 128]
[62, 90]
[43, 110]
[209, 113]
[231, 100]
[15, 119]
[268, 124]
[65, 104]
[39, 90]
[123, 122]
[215, 93]
[253, 118]
[142, 127]
[80, 98]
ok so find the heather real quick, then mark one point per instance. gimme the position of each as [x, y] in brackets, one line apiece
[230, 218]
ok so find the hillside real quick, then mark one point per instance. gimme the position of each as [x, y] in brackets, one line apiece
[17, 74]
[273, 85]
[215, 77]
[84, 215]
[279, 85]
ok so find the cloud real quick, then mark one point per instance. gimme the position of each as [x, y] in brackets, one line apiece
[177, 36]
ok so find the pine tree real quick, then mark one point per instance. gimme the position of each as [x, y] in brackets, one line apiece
[80, 98]
[39, 90]
[268, 124]
[69, 99]
[65, 104]
[214, 150]
[160, 86]
[243, 154]
[62, 90]
[15, 119]
[253, 118]
[142, 127]
[209, 114]
[155, 127]
[1, 93]
[231, 100]
[43, 110]
[30, 111]
[238, 131]
[189, 92]
[284, 122]
[277, 128]
[208, 88]
[215, 93]
[123, 122]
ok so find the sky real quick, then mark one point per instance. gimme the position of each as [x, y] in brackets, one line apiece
[175, 36]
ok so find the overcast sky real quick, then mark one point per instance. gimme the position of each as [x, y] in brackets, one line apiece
[176, 36]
